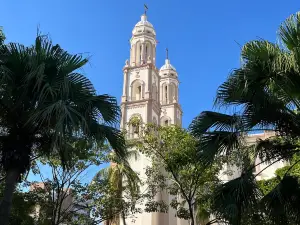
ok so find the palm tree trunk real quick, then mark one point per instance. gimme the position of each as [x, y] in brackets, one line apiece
[6, 202]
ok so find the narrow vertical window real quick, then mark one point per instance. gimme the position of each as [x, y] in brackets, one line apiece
[139, 90]
[166, 94]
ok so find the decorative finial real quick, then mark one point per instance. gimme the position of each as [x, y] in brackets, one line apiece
[145, 8]
[167, 53]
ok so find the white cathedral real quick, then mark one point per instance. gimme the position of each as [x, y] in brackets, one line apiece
[150, 94]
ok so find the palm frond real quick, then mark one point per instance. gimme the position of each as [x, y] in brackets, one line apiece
[232, 198]
[275, 148]
[42, 88]
[103, 107]
[289, 31]
[217, 143]
[265, 90]
[282, 203]
[215, 120]
[259, 51]
[112, 135]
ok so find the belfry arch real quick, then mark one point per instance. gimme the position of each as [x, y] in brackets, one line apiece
[137, 90]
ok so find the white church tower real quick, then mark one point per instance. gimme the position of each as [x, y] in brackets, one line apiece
[171, 112]
[141, 78]
[151, 95]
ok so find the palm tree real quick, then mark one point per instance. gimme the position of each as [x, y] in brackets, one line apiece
[121, 178]
[265, 93]
[44, 99]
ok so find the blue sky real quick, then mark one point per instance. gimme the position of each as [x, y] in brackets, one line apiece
[203, 37]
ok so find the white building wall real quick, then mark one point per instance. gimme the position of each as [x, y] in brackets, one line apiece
[264, 173]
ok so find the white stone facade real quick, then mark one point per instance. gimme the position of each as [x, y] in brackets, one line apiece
[264, 171]
[151, 94]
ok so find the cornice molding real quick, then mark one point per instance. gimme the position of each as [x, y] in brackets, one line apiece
[135, 106]
[140, 67]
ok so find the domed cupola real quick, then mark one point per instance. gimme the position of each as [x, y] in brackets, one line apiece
[168, 83]
[143, 27]
[167, 70]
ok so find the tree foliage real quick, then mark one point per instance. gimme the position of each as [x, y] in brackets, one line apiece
[44, 101]
[176, 170]
[265, 93]
[2, 36]
[22, 208]
[115, 191]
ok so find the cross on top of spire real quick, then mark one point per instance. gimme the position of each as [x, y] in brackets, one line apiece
[167, 53]
[145, 9]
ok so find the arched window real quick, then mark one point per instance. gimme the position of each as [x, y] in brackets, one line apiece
[166, 123]
[136, 90]
[135, 123]
[154, 120]
[136, 129]
[173, 92]
[148, 51]
[164, 97]
[137, 53]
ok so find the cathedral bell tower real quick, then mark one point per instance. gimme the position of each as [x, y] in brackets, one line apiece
[171, 112]
[141, 78]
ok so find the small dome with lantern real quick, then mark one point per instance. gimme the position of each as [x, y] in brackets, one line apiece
[168, 66]
[167, 69]
[144, 27]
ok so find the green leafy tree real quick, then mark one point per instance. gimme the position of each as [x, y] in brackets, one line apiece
[265, 93]
[44, 99]
[23, 204]
[292, 169]
[176, 170]
[267, 186]
[119, 194]
[22, 208]
[64, 196]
